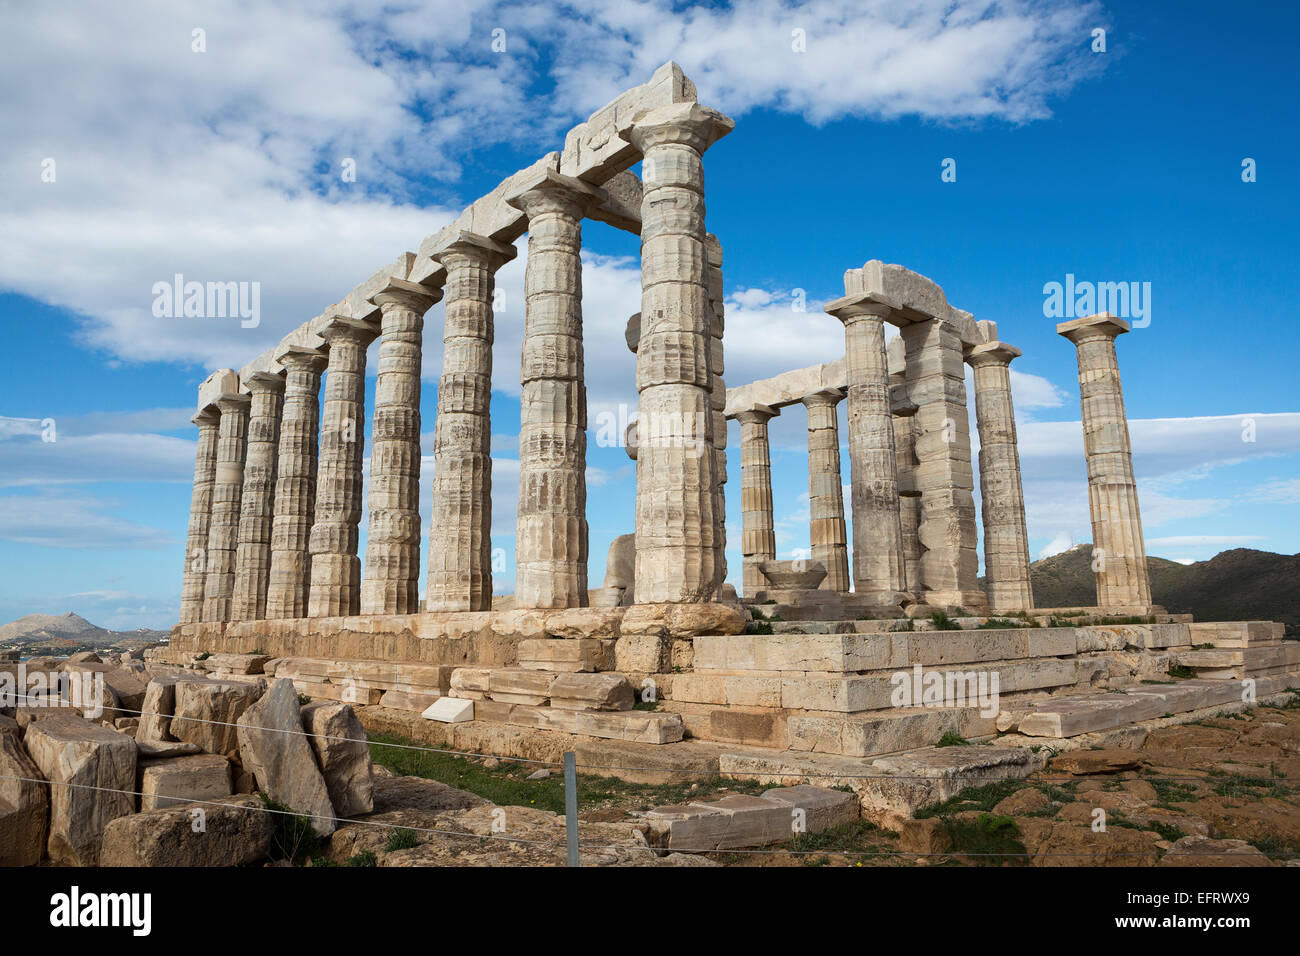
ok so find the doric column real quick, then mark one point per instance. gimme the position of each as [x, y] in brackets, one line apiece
[676, 467]
[227, 490]
[335, 568]
[757, 531]
[1119, 552]
[460, 536]
[257, 504]
[1006, 540]
[551, 528]
[826, 489]
[936, 382]
[196, 540]
[718, 402]
[909, 497]
[295, 484]
[391, 583]
[879, 572]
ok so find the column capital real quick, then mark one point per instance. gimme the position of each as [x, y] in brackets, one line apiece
[264, 382]
[859, 305]
[232, 402]
[687, 124]
[403, 294]
[758, 415]
[207, 416]
[550, 191]
[299, 356]
[1101, 325]
[470, 245]
[347, 329]
[992, 353]
[825, 396]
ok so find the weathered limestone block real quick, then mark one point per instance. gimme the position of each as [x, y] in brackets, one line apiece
[207, 710]
[620, 563]
[335, 567]
[682, 620]
[295, 483]
[391, 582]
[174, 780]
[24, 805]
[591, 692]
[343, 754]
[643, 654]
[237, 830]
[257, 503]
[92, 770]
[518, 685]
[218, 559]
[196, 542]
[273, 748]
[582, 654]
[450, 710]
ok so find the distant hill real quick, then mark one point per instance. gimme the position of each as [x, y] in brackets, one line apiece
[69, 632]
[1237, 585]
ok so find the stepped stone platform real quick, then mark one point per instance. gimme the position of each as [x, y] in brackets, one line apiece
[664, 693]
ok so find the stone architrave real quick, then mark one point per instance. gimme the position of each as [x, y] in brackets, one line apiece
[1119, 551]
[676, 467]
[295, 484]
[257, 503]
[227, 492]
[551, 534]
[757, 534]
[391, 582]
[196, 541]
[1006, 539]
[335, 567]
[879, 570]
[460, 536]
[826, 489]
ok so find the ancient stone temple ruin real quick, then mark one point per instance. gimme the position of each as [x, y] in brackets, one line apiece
[665, 665]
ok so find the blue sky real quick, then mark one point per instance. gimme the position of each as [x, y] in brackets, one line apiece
[223, 165]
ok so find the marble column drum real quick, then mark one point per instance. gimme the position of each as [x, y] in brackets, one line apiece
[460, 535]
[335, 567]
[826, 489]
[227, 491]
[295, 484]
[1119, 551]
[757, 529]
[909, 497]
[676, 465]
[551, 526]
[257, 504]
[718, 403]
[196, 538]
[1006, 538]
[879, 570]
[390, 583]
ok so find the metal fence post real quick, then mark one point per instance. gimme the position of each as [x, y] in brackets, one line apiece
[571, 806]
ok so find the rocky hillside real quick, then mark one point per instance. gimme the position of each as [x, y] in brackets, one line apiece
[1236, 585]
[67, 633]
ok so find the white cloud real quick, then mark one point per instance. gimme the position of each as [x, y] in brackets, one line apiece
[53, 520]
[1061, 543]
[1285, 491]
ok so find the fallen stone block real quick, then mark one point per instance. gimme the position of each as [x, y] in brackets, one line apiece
[273, 747]
[208, 710]
[592, 692]
[737, 820]
[156, 710]
[156, 749]
[24, 805]
[343, 755]
[230, 831]
[169, 781]
[91, 770]
[821, 808]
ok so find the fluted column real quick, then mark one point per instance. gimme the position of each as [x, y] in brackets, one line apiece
[718, 402]
[335, 567]
[460, 536]
[936, 382]
[909, 496]
[879, 572]
[227, 490]
[295, 484]
[757, 530]
[1119, 552]
[551, 527]
[826, 489]
[391, 582]
[676, 467]
[1006, 540]
[196, 539]
[257, 503]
